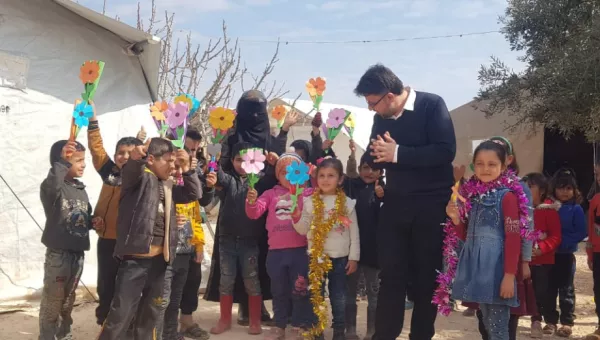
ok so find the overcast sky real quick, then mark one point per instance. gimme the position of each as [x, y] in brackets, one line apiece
[446, 66]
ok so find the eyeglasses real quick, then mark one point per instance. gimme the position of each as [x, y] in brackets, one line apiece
[372, 106]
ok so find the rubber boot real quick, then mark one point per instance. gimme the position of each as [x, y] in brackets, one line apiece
[370, 325]
[242, 317]
[224, 324]
[255, 312]
[351, 322]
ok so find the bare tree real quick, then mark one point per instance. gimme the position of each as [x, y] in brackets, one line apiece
[185, 67]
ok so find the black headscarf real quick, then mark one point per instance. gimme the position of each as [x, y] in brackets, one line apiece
[304, 145]
[252, 120]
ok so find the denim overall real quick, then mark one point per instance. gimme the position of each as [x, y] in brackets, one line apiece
[481, 265]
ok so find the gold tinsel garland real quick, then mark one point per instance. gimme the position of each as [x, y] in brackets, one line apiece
[320, 263]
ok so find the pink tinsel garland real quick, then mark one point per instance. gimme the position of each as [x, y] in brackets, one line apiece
[472, 189]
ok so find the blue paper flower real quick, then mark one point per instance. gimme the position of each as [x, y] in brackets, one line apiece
[297, 173]
[82, 114]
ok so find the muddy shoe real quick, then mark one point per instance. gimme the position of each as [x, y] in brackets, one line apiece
[536, 330]
[564, 331]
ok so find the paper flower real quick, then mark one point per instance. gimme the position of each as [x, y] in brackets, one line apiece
[176, 114]
[89, 72]
[221, 118]
[336, 118]
[158, 110]
[253, 161]
[278, 112]
[82, 114]
[183, 98]
[297, 173]
[315, 86]
[350, 122]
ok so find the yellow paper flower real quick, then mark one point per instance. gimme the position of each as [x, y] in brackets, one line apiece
[158, 110]
[221, 118]
[315, 86]
[278, 112]
[182, 98]
[350, 121]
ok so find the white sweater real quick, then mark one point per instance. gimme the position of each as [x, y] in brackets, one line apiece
[341, 241]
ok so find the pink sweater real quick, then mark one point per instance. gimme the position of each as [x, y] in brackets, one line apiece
[277, 202]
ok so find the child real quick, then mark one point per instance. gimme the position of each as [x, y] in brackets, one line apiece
[287, 260]
[593, 246]
[368, 193]
[488, 262]
[573, 230]
[68, 213]
[107, 208]
[342, 243]
[238, 243]
[147, 236]
[547, 223]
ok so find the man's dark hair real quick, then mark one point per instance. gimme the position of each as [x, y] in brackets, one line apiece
[159, 147]
[379, 80]
[239, 147]
[127, 141]
[56, 150]
[193, 134]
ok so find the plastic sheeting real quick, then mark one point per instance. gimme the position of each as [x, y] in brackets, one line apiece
[42, 46]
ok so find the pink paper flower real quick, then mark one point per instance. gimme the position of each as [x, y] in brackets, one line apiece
[336, 118]
[253, 161]
[176, 114]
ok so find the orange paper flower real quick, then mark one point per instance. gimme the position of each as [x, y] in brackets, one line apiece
[89, 72]
[278, 112]
[158, 110]
[315, 86]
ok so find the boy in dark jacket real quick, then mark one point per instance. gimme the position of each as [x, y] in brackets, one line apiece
[368, 192]
[68, 213]
[147, 236]
[107, 208]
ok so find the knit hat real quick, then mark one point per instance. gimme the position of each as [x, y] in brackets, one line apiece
[286, 159]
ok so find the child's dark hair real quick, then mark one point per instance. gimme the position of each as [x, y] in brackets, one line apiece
[365, 159]
[333, 163]
[127, 141]
[238, 147]
[514, 166]
[564, 178]
[304, 145]
[56, 150]
[489, 145]
[193, 134]
[540, 181]
[159, 147]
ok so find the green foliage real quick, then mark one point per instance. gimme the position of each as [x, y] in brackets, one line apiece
[560, 87]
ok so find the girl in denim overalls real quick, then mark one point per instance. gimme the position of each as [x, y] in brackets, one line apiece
[489, 259]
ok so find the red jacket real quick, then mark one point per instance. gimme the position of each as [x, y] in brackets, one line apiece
[593, 243]
[547, 221]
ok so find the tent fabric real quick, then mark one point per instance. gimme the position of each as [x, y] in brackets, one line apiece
[43, 44]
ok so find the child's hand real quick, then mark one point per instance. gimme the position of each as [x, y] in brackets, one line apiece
[317, 120]
[272, 158]
[296, 214]
[183, 159]
[351, 267]
[452, 212]
[507, 287]
[459, 172]
[139, 151]
[94, 115]
[327, 144]
[352, 147]
[68, 150]
[543, 236]
[252, 196]
[526, 270]
[536, 252]
[199, 256]
[211, 180]
[98, 224]
[290, 119]
[378, 189]
[194, 163]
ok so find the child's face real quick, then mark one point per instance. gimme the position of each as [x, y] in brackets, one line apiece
[77, 164]
[536, 194]
[281, 177]
[177, 172]
[367, 174]
[192, 145]
[328, 180]
[488, 166]
[163, 166]
[565, 194]
[237, 165]
[122, 155]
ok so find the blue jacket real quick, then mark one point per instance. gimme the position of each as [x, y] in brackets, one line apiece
[573, 229]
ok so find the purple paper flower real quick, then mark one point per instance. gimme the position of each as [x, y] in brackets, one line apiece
[336, 118]
[176, 114]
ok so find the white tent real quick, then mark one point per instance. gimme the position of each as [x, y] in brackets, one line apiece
[43, 44]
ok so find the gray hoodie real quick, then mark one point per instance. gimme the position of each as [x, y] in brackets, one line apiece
[68, 211]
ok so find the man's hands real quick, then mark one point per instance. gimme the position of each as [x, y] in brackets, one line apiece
[378, 189]
[211, 180]
[383, 148]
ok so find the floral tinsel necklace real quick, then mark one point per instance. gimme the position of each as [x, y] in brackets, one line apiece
[475, 189]
[320, 263]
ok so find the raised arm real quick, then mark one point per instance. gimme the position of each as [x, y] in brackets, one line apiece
[102, 162]
[54, 180]
[260, 206]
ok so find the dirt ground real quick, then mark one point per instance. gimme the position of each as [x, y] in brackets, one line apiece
[24, 324]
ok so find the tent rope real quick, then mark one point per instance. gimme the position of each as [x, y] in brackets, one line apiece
[41, 229]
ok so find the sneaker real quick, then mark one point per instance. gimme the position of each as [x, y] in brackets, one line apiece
[564, 331]
[536, 330]
[275, 334]
[549, 329]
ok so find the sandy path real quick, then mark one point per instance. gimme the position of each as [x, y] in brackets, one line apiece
[24, 325]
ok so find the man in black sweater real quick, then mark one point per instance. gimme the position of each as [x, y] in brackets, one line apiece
[413, 140]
